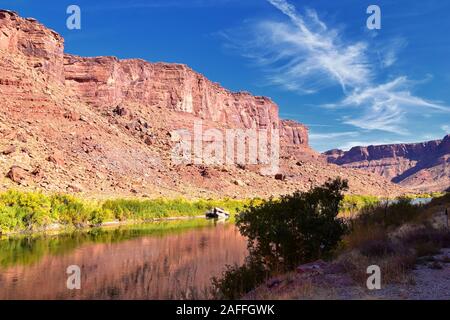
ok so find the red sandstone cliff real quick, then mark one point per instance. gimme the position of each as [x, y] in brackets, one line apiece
[103, 125]
[423, 166]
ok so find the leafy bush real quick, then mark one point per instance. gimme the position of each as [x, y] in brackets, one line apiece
[354, 203]
[378, 248]
[282, 233]
[297, 228]
[238, 280]
[70, 211]
[389, 214]
[427, 240]
[29, 210]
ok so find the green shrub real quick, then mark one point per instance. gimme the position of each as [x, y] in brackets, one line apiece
[99, 216]
[238, 280]
[70, 211]
[354, 203]
[30, 210]
[389, 214]
[11, 219]
[159, 208]
[283, 233]
[20, 211]
[297, 228]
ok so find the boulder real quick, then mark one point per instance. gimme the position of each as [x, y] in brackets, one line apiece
[316, 267]
[57, 158]
[148, 141]
[17, 174]
[120, 111]
[74, 188]
[72, 115]
[9, 150]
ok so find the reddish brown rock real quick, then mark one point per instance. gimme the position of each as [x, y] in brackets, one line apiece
[99, 112]
[44, 47]
[120, 111]
[107, 81]
[423, 166]
[17, 174]
[38, 172]
[57, 157]
[294, 133]
[74, 188]
[72, 115]
[9, 150]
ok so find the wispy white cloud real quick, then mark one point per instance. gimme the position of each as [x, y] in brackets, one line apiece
[305, 55]
[387, 105]
[388, 53]
[446, 128]
[332, 135]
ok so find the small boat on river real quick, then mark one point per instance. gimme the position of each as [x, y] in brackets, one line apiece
[217, 213]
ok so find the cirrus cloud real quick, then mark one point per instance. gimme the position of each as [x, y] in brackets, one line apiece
[303, 54]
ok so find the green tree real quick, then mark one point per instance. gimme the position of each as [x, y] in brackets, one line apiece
[297, 228]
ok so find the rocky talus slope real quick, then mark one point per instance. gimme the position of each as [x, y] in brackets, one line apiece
[421, 166]
[106, 127]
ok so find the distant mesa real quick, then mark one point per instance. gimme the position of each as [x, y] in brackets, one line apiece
[423, 166]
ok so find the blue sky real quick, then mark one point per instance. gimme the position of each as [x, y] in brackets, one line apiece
[316, 59]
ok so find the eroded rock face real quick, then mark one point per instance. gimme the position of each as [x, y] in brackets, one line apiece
[294, 137]
[106, 125]
[423, 165]
[17, 174]
[44, 47]
[413, 151]
[106, 81]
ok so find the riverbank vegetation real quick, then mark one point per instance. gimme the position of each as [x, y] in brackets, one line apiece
[283, 233]
[33, 211]
[395, 237]
[307, 226]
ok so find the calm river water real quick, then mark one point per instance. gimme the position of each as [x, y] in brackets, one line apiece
[153, 261]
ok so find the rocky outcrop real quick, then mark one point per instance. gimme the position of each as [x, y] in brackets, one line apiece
[105, 82]
[294, 133]
[425, 166]
[413, 152]
[43, 47]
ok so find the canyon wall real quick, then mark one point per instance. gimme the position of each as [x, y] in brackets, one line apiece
[107, 82]
[424, 165]
[104, 126]
[43, 47]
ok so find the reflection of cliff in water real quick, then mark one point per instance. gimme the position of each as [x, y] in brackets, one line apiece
[140, 267]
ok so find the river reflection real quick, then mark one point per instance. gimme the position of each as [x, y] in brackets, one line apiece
[170, 260]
